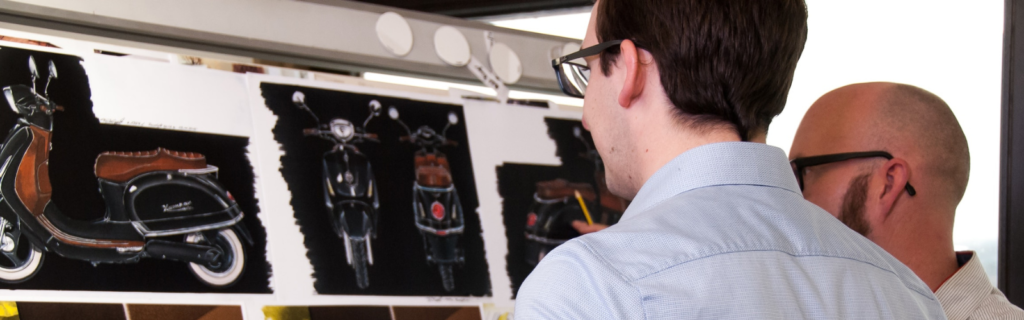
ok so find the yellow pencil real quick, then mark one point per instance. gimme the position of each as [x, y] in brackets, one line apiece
[586, 213]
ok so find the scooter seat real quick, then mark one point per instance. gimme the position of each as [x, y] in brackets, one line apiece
[560, 188]
[122, 166]
[431, 159]
[432, 171]
[433, 176]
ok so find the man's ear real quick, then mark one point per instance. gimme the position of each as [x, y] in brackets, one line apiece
[633, 84]
[895, 174]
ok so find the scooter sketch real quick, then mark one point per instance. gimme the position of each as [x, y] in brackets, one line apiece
[555, 207]
[160, 204]
[350, 191]
[436, 206]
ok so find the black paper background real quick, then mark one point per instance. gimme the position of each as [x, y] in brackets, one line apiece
[518, 182]
[400, 266]
[78, 138]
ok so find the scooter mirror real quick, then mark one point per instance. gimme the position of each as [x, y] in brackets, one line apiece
[576, 132]
[393, 113]
[452, 118]
[32, 67]
[375, 107]
[299, 97]
[53, 70]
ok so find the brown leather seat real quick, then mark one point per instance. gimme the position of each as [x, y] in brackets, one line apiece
[560, 188]
[432, 171]
[122, 166]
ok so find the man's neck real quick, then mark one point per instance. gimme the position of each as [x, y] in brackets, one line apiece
[930, 255]
[657, 150]
[936, 269]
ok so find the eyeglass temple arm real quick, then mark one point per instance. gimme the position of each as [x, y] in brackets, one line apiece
[585, 52]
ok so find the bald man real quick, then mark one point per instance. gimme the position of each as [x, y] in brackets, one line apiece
[891, 162]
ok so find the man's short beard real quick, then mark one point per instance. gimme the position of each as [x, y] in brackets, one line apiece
[852, 212]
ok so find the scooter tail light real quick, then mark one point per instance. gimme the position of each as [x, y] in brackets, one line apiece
[437, 210]
[531, 219]
[230, 197]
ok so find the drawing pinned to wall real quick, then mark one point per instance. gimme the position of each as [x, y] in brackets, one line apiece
[160, 221]
[540, 203]
[385, 197]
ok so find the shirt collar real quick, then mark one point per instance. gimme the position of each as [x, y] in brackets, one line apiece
[717, 164]
[962, 292]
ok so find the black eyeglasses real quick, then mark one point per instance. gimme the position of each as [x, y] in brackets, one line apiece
[573, 76]
[800, 164]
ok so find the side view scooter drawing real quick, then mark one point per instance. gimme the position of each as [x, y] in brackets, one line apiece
[160, 204]
[436, 206]
[349, 187]
[557, 203]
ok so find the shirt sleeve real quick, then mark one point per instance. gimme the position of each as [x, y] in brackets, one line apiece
[573, 283]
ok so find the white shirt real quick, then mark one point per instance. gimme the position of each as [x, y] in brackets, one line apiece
[969, 295]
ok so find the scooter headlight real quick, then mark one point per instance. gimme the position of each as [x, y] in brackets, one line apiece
[342, 129]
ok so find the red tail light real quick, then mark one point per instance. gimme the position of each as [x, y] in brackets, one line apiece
[437, 210]
[531, 219]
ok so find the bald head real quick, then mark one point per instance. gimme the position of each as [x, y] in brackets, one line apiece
[869, 195]
[904, 120]
[917, 121]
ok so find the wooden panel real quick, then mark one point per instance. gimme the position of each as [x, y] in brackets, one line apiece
[437, 313]
[184, 312]
[70, 311]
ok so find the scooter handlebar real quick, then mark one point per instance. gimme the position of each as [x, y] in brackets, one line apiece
[311, 132]
[405, 138]
[370, 136]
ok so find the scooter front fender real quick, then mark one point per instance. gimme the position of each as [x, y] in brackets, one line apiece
[353, 218]
[348, 175]
[9, 215]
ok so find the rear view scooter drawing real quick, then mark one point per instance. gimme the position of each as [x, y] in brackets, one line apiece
[436, 207]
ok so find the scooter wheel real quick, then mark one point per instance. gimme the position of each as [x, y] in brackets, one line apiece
[228, 268]
[447, 278]
[23, 266]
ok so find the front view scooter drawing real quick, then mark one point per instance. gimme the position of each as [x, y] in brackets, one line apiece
[350, 191]
[159, 204]
[436, 207]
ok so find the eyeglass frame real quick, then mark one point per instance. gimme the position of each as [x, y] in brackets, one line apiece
[582, 53]
[799, 164]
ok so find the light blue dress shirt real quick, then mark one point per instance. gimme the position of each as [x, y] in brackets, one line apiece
[723, 232]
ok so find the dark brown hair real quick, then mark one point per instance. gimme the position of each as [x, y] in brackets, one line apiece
[721, 62]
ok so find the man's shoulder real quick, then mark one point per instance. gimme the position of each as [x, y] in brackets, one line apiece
[573, 282]
[968, 294]
[996, 306]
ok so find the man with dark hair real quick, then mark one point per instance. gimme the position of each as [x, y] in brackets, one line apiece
[679, 95]
[856, 153]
